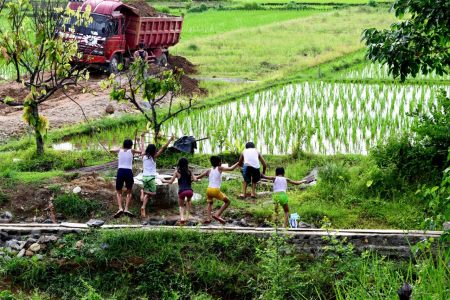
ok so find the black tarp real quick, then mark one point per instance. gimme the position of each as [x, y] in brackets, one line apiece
[185, 144]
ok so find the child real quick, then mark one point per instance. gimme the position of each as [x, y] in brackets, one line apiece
[149, 171]
[125, 175]
[250, 159]
[213, 191]
[185, 192]
[279, 192]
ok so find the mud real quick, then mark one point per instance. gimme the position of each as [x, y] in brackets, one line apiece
[143, 8]
[181, 62]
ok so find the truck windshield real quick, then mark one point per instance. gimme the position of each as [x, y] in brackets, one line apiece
[100, 26]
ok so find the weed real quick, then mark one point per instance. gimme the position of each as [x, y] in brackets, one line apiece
[71, 205]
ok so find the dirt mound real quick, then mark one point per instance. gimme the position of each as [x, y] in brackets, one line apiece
[190, 86]
[182, 63]
[143, 8]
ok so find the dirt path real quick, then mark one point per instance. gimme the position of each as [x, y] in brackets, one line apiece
[59, 110]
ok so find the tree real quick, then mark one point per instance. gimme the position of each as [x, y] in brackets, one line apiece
[32, 40]
[156, 91]
[420, 43]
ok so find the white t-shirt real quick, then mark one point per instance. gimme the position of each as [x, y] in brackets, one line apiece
[215, 178]
[279, 184]
[149, 166]
[251, 158]
[125, 159]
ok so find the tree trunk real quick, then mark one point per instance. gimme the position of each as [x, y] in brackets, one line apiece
[37, 133]
[16, 66]
[156, 138]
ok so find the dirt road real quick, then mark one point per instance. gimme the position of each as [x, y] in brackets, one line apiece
[59, 110]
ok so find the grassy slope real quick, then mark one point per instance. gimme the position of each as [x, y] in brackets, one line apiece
[217, 22]
[277, 50]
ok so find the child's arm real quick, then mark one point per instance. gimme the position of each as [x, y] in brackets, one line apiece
[295, 182]
[171, 180]
[229, 168]
[241, 160]
[268, 177]
[263, 162]
[204, 174]
[160, 151]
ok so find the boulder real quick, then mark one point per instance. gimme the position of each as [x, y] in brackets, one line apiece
[76, 190]
[166, 195]
[13, 244]
[29, 253]
[446, 226]
[94, 223]
[29, 242]
[45, 239]
[110, 109]
[21, 253]
[6, 217]
[35, 247]
[4, 236]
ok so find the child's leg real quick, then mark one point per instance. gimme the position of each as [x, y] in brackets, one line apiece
[253, 189]
[144, 204]
[181, 207]
[226, 203]
[209, 210]
[244, 189]
[119, 199]
[188, 207]
[142, 195]
[276, 213]
[286, 215]
[128, 200]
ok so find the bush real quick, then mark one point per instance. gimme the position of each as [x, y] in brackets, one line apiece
[196, 9]
[71, 205]
[164, 10]
[334, 173]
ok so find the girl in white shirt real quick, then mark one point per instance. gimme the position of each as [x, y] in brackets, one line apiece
[213, 191]
[279, 192]
[149, 156]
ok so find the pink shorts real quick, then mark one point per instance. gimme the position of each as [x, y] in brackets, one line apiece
[185, 194]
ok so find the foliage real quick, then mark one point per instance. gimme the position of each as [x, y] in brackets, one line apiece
[156, 90]
[418, 44]
[73, 206]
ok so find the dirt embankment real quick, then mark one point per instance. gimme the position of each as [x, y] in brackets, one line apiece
[61, 110]
[143, 8]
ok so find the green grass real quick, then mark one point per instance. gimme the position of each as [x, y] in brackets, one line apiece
[214, 22]
[272, 51]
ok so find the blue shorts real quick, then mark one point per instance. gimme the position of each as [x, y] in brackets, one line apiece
[251, 175]
[124, 176]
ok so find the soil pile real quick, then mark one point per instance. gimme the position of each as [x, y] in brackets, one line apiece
[190, 86]
[182, 63]
[143, 8]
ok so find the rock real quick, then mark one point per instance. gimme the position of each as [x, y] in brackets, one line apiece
[446, 226]
[13, 244]
[6, 217]
[47, 221]
[4, 236]
[243, 223]
[29, 242]
[76, 190]
[29, 253]
[39, 256]
[35, 234]
[21, 245]
[110, 109]
[95, 223]
[45, 239]
[166, 195]
[79, 244]
[21, 253]
[35, 247]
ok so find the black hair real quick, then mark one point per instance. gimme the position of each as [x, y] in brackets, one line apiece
[183, 167]
[127, 144]
[249, 145]
[141, 45]
[279, 171]
[216, 161]
[150, 151]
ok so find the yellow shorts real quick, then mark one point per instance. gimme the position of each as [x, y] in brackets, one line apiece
[212, 193]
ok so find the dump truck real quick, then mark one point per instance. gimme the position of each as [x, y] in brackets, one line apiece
[117, 30]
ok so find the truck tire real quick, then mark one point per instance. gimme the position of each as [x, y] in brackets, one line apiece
[114, 64]
[162, 60]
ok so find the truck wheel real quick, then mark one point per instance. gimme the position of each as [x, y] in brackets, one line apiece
[162, 60]
[114, 64]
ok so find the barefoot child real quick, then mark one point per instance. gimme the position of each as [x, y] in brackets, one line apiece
[149, 171]
[185, 192]
[125, 175]
[250, 161]
[213, 191]
[279, 192]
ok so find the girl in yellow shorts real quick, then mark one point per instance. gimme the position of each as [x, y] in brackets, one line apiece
[279, 192]
[213, 191]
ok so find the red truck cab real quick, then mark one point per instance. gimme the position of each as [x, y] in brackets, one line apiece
[117, 30]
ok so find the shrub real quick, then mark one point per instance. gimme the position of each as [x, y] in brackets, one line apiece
[71, 205]
[164, 10]
[334, 173]
[201, 8]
